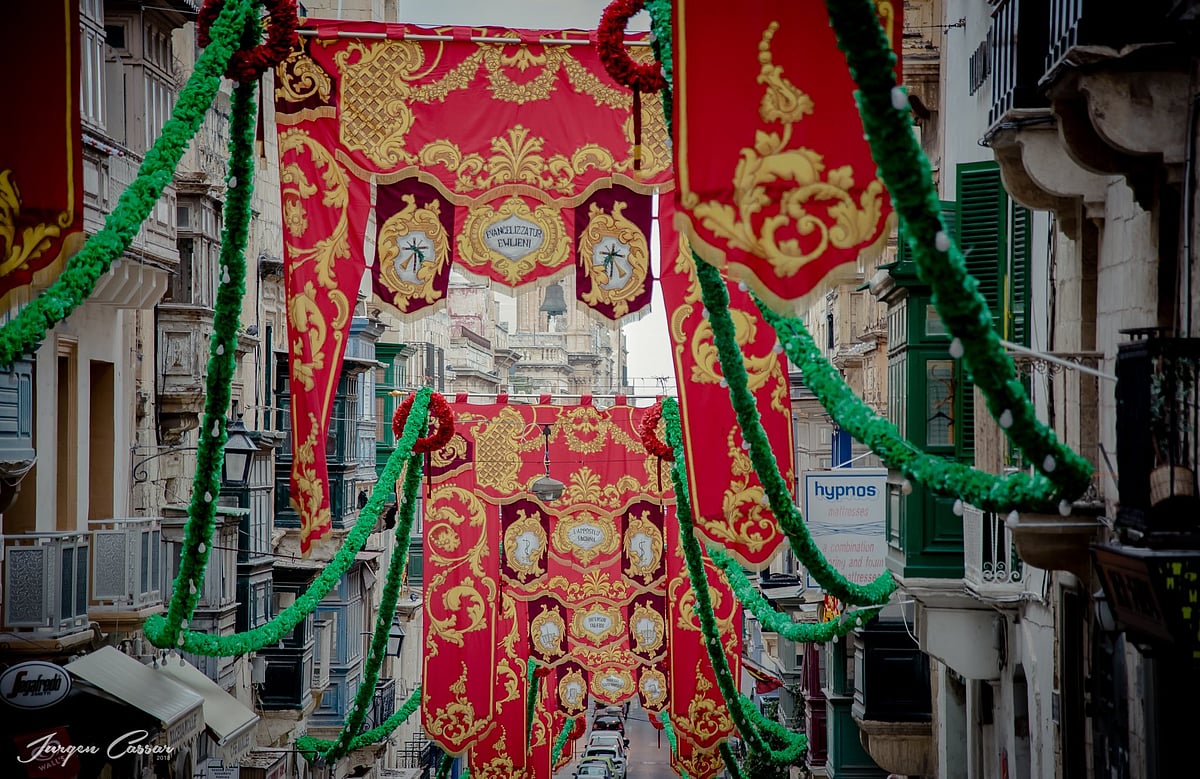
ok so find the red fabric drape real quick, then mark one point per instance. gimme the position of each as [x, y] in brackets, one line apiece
[779, 187]
[726, 494]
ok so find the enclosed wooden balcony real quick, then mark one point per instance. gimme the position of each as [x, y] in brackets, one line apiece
[46, 578]
[126, 571]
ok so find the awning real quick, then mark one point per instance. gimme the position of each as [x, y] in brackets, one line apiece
[179, 709]
[230, 723]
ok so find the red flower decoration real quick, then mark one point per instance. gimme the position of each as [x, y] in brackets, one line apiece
[440, 412]
[247, 66]
[648, 428]
[610, 44]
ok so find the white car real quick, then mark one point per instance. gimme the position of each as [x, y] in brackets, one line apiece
[615, 755]
[610, 738]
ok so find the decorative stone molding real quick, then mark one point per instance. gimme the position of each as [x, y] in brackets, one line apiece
[1054, 542]
[904, 748]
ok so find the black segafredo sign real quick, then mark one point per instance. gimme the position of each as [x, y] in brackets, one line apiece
[34, 684]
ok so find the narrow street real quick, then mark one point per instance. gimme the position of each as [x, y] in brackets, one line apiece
[649, 753]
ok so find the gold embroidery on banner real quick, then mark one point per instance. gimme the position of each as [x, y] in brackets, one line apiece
[497, 455]
[376, 114]
[643, 547]
[511, 679]
[768, 161]
[525, 545]
[761, 370]
[685, 607]
[748, 523]
[508, 615]
[706, 718]
[605, 657]
[34, 239]
[453, 453]
[653, 687]
[467, 608]
[596, 623]
[548, 631]
[516, 159]
[410, 267]
[583, 429]
[457, 723]
[585, 487]
[299, 77]
[311, 488]
[648, 629]
[586, 536]
[538, 88]
[595, 584]
[571, 691]
[616, 258]
[552, 253]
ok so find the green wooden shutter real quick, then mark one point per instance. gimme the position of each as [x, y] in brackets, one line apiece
[949, 218]
[982, 233]
[1017, 329]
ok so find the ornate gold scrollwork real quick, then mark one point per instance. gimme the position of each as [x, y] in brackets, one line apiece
[643, 547]
[34, 239]
[616, 257]
[653, 687]
[596, 623]
[572, 692]
[542, 234]
[648, 629]
[770, 160]
[299, 78]
[586, 536]
[525, 544]
[548, 631]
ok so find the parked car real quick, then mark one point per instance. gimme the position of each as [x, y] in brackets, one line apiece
[594, 769]
[609, 722]
[612, 754]
[609, 738]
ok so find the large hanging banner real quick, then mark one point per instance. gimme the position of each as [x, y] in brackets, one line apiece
[782, 192]
[507, 154]
[502, 753]
[41, 162]
[727, 497]
[697, 708]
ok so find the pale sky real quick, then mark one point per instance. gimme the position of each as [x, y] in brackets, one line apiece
[647, 339]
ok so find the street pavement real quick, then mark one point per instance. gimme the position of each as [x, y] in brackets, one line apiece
[649, 753]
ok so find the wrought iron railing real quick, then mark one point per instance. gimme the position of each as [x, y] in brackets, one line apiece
[1018, 43]
[991, 567]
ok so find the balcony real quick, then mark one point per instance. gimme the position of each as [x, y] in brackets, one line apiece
[323, 657]
[991, 567]
[46, 588]
[1020, 29]
[383, 705]
[126, 570]
[184, 332]
[288, 678]
[892, 700]
[1157, 447]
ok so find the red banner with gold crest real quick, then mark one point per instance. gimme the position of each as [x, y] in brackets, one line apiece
[507, 154]
[41, 162]
[781, 191]
[727, 497]
[697, 708]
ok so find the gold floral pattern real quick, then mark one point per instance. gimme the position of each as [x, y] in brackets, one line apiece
[586, 536]
[551, 252]
[413, 249]
[616, 258]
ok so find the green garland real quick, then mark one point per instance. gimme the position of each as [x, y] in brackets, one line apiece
[731, 763]
[75, 284]
[660, 19]
[311, 747]
[531, 685]
[443, 771]
[733, 368]
[940, 264]
[206, 483]
[387, 610]
[561, 742]
[156, 627]
[775, 622]
[672, 739]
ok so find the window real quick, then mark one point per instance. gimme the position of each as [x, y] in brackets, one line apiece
[939, 403]
[91, 63]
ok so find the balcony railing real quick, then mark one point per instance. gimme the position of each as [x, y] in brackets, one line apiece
[383, 705]
[45, 583]
[1101, 23]
[126, 564]
[1018, 43]
[1158, 411]
[991, 567]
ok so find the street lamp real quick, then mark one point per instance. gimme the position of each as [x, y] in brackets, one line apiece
[239, 454]
[547, 489]
[395, 637]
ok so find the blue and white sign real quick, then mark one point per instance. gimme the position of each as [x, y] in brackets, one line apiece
[846, 511]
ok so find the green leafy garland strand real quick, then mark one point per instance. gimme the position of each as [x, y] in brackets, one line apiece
[443, 771]
[775, 622]
[940, 264]
[531, 685]
[716, 303]
[156, 627]
[75, 284]
[206, 483]
[310, 746]
[985, 490]
[561, 742]
[660, 44]
[387, 610]
[731, 763]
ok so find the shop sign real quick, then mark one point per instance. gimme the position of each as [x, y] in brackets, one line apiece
[34, 684]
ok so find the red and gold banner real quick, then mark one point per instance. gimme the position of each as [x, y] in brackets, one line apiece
[325, 213]
[41, 162]
[510, 160]
[462, 630]
[697, 708]
[781, 191]
[727, 497]
[695, 763]
[502, 753]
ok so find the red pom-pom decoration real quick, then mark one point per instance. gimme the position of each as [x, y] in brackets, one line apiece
[440, 413]
[246, 66]
[648, 428]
